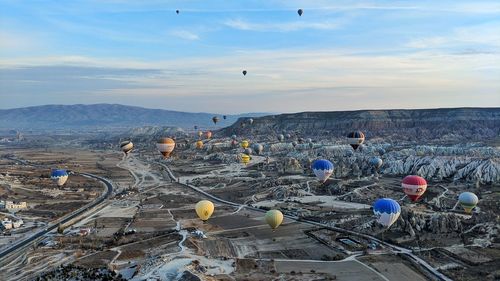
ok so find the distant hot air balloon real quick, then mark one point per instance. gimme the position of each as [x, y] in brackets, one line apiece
[177, 11]
[215, 119]
[200, 133]
[258, 148]
[233, 137]
[300, 12]
[381, 151]
[126, 146]
[281, 137]
[234, 143]
[288, 136]
[196, 127]
[355, 139]
[224, 117]
[311, 145]
[199, 144]
[414, 187]
[376, 162]
[323, 169]
[204, 209]
[294, 143]
[245, 158]
[59, 176]
[300, 140]
[244, 144]
[208, 134]
[468, 201]
[250, 121]
[165, 146]
[274, 218]
[309, 140]
[387, 211]
[244, 72]
[248, 151]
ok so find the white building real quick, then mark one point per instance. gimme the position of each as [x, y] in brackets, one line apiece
[12, 206]
[6, 223]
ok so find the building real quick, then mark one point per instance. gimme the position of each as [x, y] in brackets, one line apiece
[6, 223]
[12, 206]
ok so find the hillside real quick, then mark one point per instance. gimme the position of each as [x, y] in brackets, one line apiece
[53, 117]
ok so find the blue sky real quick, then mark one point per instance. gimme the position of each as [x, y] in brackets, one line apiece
[340, 55]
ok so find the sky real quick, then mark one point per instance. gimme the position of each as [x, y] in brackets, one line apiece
[339, 55]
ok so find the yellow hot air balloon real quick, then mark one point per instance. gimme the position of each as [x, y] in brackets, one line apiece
[199, 144]
[209, 134]
[245, 159]
[200, 133]
[244, 144]
[274, 218]
[204, 209]
[165, 146]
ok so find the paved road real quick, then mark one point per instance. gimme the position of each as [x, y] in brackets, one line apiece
[27, 241]
[395, 249]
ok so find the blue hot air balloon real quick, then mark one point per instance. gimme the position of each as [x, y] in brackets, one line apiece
[323, 169]
[376, 162]
[59, 176]
[387, 211]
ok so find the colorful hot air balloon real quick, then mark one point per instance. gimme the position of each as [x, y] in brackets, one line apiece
[468, 201]
[59, 176]
[376, 162]
[215, 119]
[244, 144]
[387, 211]
[209, 134]
[323, 169]
[245, 158]
[258, 148]
[165, 146]
[204, 209]
[126, 146]
[300, 12]
[280, 137]
[355, 139]
[199, 144]
[244, 72]
[414, 187]
[274, 218]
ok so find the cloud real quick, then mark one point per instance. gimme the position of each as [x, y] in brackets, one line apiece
[184, 34]
[280, 26]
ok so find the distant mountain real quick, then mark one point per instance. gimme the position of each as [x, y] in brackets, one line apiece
[102, 116]
[419, 124]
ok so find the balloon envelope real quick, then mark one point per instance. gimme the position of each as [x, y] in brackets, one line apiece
[281, 137]
[244, 144]
[323, 169]
[59, 176]
[126, 146]
[245, 158]
[204, 209]
[387, 211]
[258, 148]
[215, 119]
[376, 162]
[355, 139]
[468, 201]
[209, 134]
[414, 187]
[165, 146]
[274, 218]
[300, 12]
[199, 144]
[244, 72]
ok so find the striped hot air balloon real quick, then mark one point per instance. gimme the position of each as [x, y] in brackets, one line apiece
[323, 169]
[355, 139]
[387, 211]
[414, 187]
[165, 146]
[59, 176]
[126, 146]
[245, 158]
[244, 144]
[274, 218]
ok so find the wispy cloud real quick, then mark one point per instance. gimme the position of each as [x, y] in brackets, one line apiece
[280, 26]
[184, 34]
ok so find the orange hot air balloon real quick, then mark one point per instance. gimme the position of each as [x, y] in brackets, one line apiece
[165, 146]
[199, 144]
[209, 134]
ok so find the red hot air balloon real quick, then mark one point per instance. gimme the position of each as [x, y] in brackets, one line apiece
[414, 187]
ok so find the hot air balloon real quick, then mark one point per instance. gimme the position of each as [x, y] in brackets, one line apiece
[468, 201]
[250, 121]
[244, 144]
[233, 137]
[294, 143]
[177, 11]
[288, 136]
[300, 140]
[274, 218]
[323, 169]
[248, 151]
[258, 148]
[381, 151]
[300, 12]
[234, 143]
[387, 211]
[59, 176]
[311, 145]
[200, 133]
[281, 137]
[204, 209]
[414, 187]
[355, 139]
[309, 140]
[165, 146]
[245, 158]
[208, 134]
[244, 72]
[195, 127]
[126, 146]
[376, 162]
[199, 144]
[215, 119]
[224, 117]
